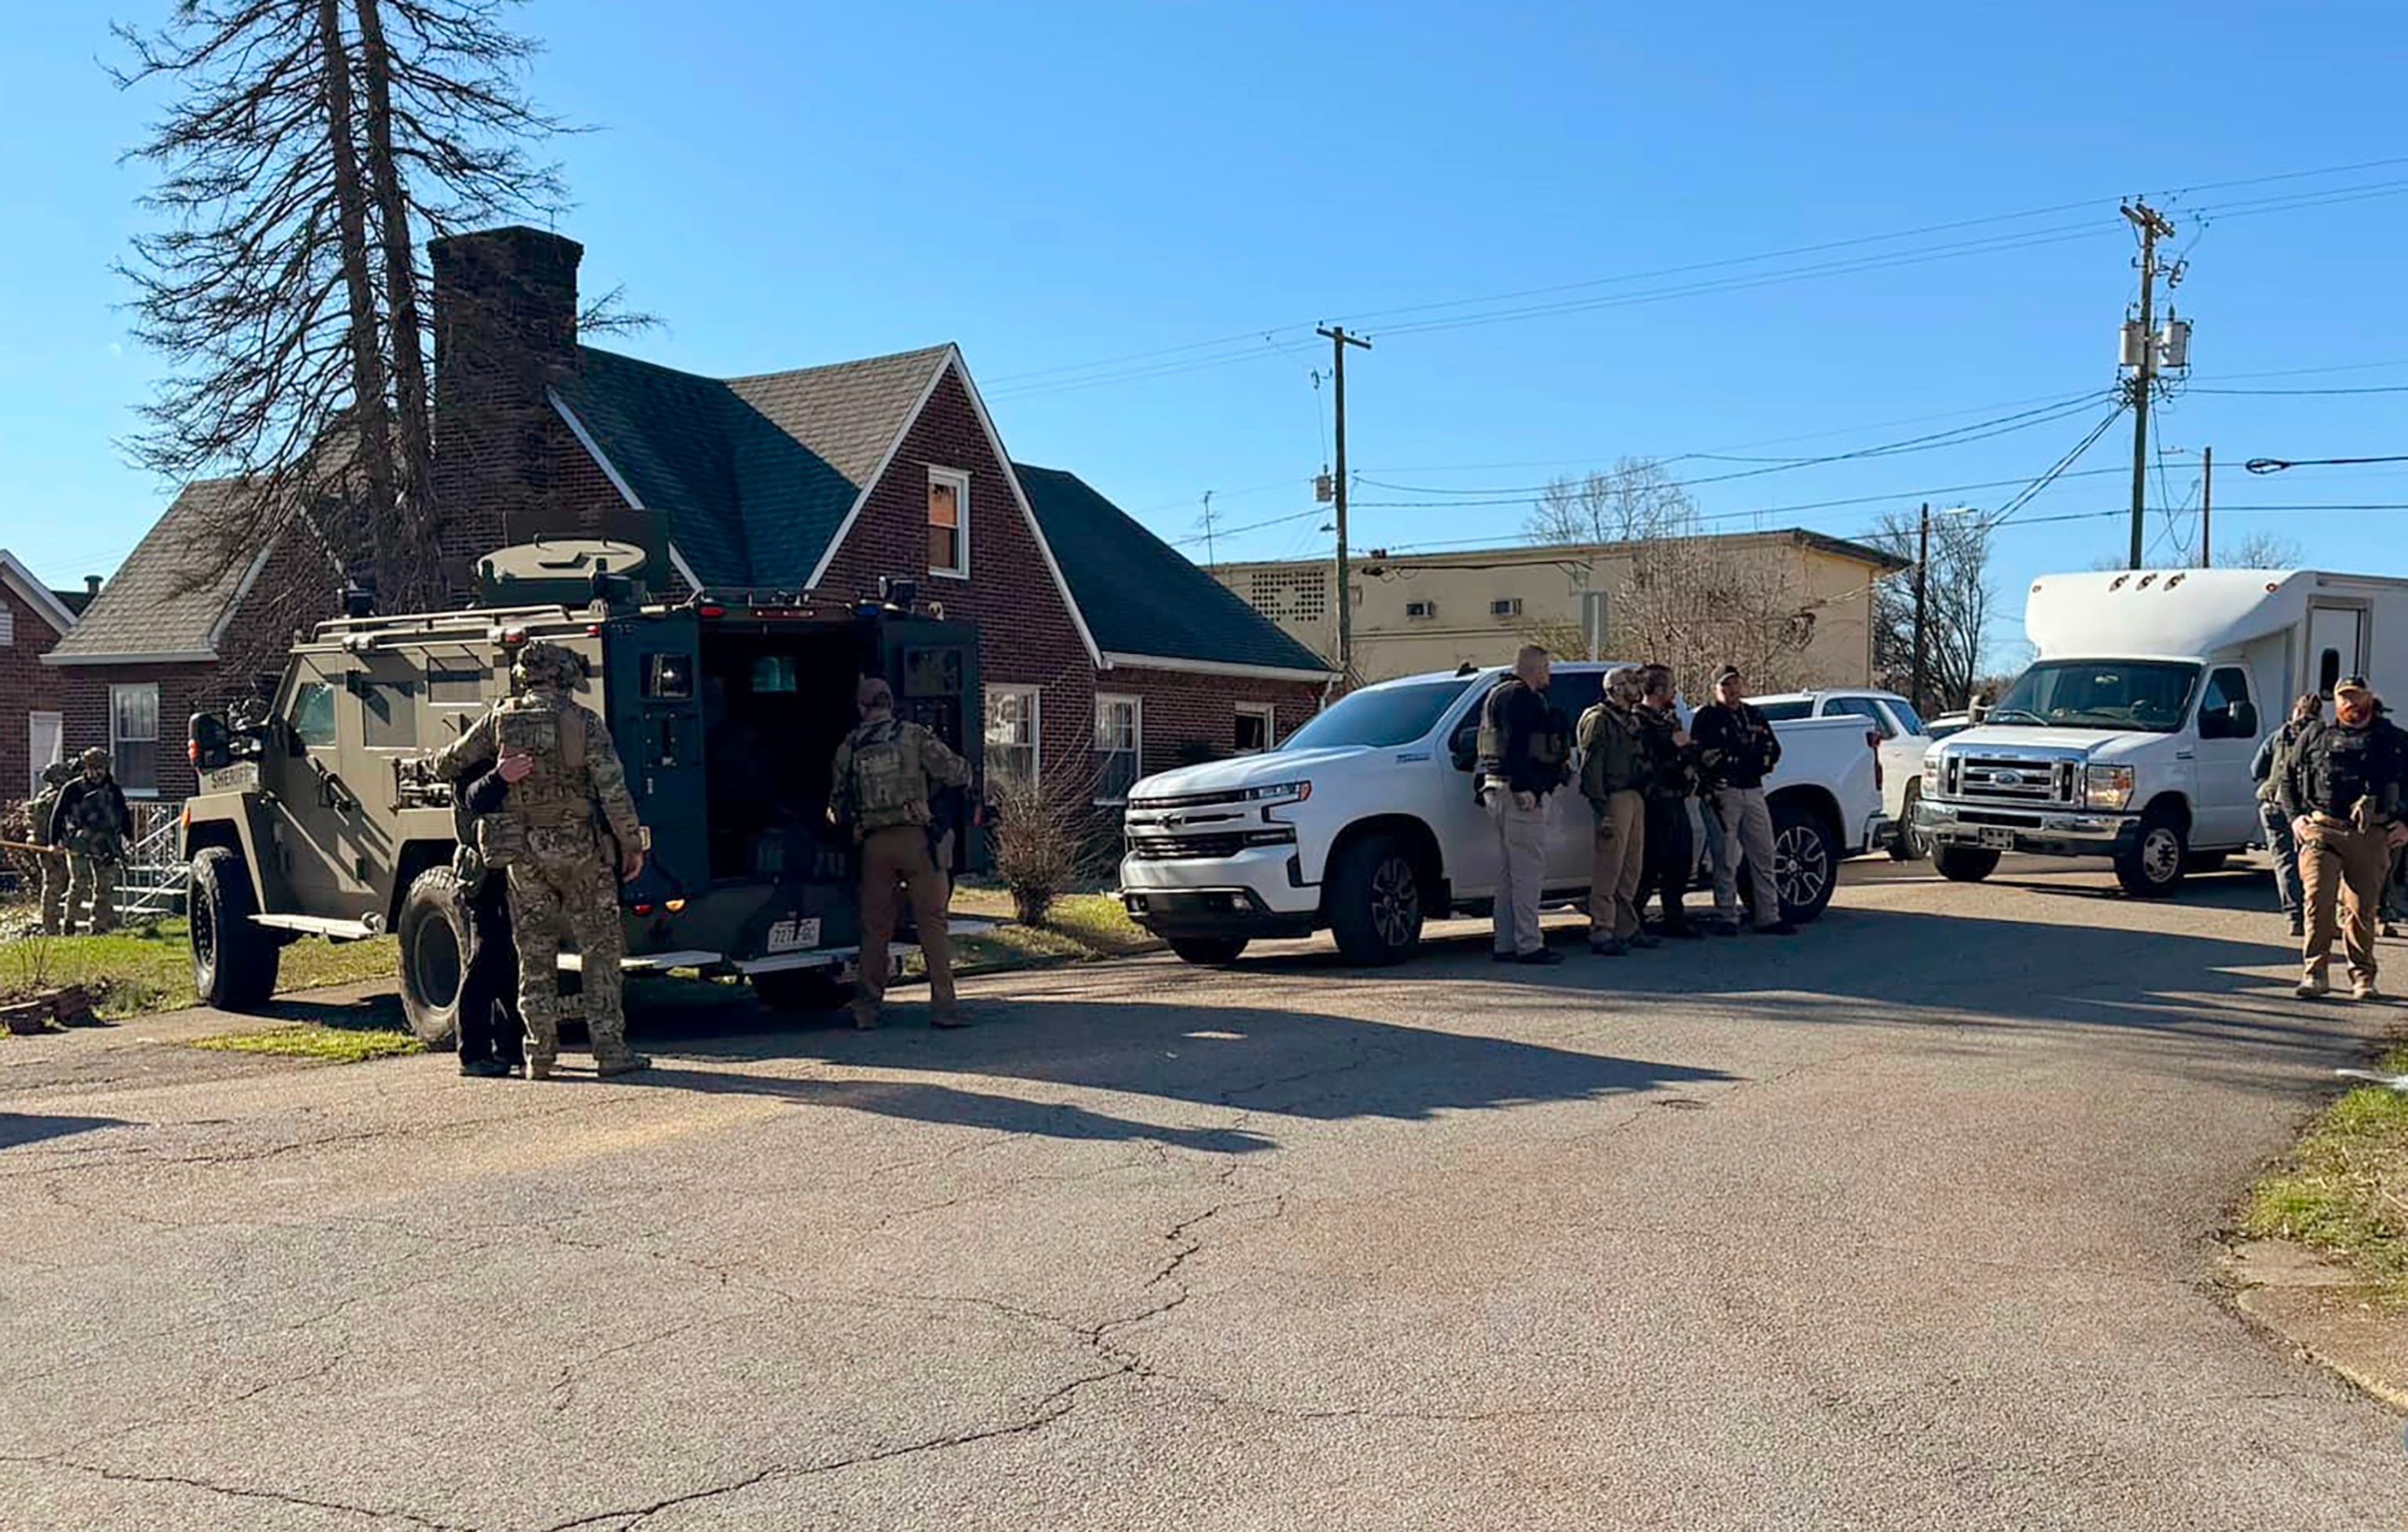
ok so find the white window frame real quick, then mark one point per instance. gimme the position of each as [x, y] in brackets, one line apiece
[1035, 699]
[35, 727]
[1268, 714]
[1136, 746]
[115, 690]
[960, 484]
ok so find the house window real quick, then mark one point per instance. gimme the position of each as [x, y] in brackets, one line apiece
[133, 738]
[949, 522]
[1012, 735]
[1255, 728]
[1421, 610]
[1506, 606]
[1120, 742]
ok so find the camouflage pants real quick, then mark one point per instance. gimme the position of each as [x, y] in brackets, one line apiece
[50, 873]
[92, 890]
[582, 894]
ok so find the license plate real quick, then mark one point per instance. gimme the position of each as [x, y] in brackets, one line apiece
[1996, 840]
[790, 936]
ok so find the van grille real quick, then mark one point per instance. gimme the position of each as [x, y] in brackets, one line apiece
[2023, 779]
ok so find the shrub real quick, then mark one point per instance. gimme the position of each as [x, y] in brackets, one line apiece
[1036, 845]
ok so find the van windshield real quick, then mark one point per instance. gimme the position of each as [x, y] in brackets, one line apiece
[2152, 695]
[1380, 719]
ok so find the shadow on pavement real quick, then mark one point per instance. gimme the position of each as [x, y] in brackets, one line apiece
[17, 1129]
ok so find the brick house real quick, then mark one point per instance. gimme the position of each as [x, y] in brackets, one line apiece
[1105, 654]
[158, 642]
[32, 619]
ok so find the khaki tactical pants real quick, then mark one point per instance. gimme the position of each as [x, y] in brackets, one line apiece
[1621, 858]
[91, 893]
[1747, 834]
[2344, 865]
[50, 869]
[583, 894]
[1521, 871]
[897, 865]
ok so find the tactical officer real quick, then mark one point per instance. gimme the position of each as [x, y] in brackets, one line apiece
[2343, 786]
[2268, 766]
[886, 773]
[1525, 750]
[1671, 782]
[1613, 779]
[92, 824]
[565, 838]
[49, 863]
[1737, 749]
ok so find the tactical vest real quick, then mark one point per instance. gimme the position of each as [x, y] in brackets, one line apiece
[1614, 759]
[39, 813]
[2342, 765]
[556, 793]
[889, 785]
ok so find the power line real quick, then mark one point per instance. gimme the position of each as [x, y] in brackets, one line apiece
[2298, 393]
[2054, 472]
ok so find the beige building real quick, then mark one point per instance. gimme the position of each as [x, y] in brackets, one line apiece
[1435, 611]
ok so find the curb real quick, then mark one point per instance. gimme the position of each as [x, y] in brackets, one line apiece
[2318, 1308]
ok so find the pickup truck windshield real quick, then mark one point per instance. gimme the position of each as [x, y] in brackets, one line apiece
[1381, 718]
[2144, 695]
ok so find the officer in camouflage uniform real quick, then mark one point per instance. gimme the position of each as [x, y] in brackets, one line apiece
[49, 866]
[564, 839]
[886, 772]
[92, 824]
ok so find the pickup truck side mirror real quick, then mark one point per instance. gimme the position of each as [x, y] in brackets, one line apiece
[1464, 750]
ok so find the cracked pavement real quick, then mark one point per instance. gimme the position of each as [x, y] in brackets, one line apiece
[1904, 1224]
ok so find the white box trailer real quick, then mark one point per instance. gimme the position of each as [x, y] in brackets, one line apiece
[2130, 735]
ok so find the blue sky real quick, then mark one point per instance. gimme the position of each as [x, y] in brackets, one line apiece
[1058, 186]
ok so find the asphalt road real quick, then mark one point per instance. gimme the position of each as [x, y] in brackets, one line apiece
[1907, 1223]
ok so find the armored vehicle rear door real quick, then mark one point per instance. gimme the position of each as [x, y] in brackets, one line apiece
[652, 701]
[934, 668]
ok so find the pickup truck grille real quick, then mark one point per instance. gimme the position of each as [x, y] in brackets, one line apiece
[2023, 779]
[1210, 847]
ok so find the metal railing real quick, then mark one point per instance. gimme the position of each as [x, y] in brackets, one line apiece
[151, 879]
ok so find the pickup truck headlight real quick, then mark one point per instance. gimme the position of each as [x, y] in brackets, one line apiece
[2107, 787]
[1279, 793]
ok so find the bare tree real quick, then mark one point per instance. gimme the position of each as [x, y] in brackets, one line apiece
[1699, 603]
[1958, 596]
[2264, 551]
[310, 149]
[1637, 502]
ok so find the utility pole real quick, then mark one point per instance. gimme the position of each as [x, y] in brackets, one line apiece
[2154, 227]
[2206, 503]
[1212, 555]
[1338, 341]
[1922, 567]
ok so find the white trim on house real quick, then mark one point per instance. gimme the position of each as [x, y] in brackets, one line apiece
[960, 481]
[1136, 738]
[1036, 696]
[1028, 512]
[1214, 668]
[180, 656]
[594, 450]
[684, 570]
[885, 461]
[34, 592]
[242, 589]
[115, 740]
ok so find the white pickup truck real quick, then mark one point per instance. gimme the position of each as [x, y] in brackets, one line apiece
[1363, 821]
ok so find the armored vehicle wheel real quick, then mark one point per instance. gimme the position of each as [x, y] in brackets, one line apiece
[801, 991]
[1964, 864]
[234, 959]
[448, 963]
[1209, 952]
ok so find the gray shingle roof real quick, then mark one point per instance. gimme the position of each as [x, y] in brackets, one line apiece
[154, 604]
[1143, 597]
[753, 475]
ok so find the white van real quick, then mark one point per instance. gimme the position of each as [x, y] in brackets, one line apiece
[2130, 736]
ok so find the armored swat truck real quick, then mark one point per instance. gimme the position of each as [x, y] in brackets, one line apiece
[315, 816]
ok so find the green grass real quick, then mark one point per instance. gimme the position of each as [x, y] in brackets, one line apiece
[2344, 1189]
[139, 970]
[325, 1045]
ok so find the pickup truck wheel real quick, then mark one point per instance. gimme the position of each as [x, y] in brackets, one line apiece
[2152, 866]
[1209, 952]
[1805, 862]
[447, 962]
[802, 991]
[234, 959]
[1964, 864]
[1909, 844]
[1375, 903]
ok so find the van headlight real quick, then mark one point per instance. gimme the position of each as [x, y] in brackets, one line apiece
[1932, 771]
[2107, 787]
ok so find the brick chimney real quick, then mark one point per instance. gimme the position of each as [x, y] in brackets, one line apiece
[504, 332]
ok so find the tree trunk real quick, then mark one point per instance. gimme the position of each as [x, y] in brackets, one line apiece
[372, 447]
[414, 438]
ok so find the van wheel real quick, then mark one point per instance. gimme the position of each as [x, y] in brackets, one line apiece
[1909, 844]
[1805, 862]
[234, 958]
[1964, 864]
[447, 962]
[2152, 866]
[802, 991]
[1375, 903]
[1209, 952]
